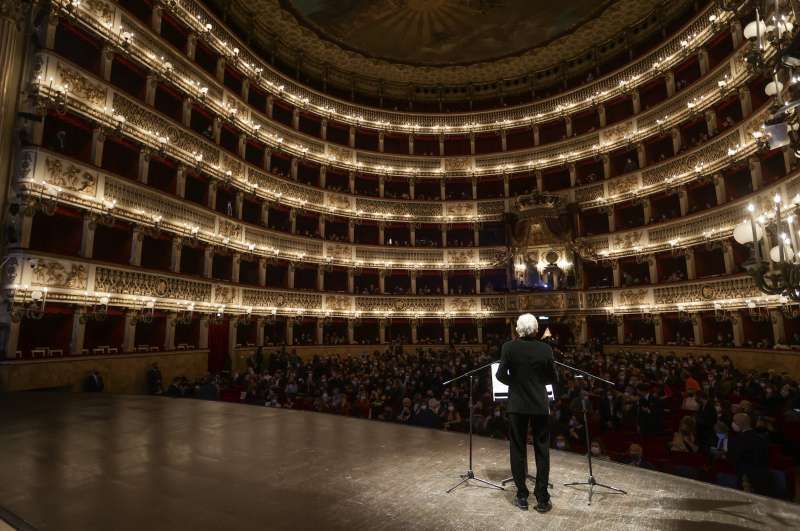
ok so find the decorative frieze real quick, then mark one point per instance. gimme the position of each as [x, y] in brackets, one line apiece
[124, 282]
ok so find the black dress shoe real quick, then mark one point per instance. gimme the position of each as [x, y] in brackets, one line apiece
[522, 503]
[543, 507]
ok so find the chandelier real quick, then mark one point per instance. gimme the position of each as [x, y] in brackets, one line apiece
[776, 272]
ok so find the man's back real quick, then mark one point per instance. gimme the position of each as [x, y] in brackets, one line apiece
[526, 366]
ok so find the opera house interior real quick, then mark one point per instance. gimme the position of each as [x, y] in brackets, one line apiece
[333, 208]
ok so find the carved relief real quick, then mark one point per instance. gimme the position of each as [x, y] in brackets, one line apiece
[55, 274]
[457, 164]
[385, 304]
[228, 229]
[460, 209]
[82, 87]
[623, 185]
[147, 285]
[101, 8]
[338, 303]
[224, 295]
[272, 299]
[339, 252]
[493, 304]
[600, 299]
[627, 240]
[462, 305]
[70, 177]
[632, 297]
[460, 256]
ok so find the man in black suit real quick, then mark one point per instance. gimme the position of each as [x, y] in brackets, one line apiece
[526, 366]
[749, 453]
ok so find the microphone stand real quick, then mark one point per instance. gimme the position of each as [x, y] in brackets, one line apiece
[591, 481]
[470, 474]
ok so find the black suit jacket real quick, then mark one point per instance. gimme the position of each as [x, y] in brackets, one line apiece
[526, 366]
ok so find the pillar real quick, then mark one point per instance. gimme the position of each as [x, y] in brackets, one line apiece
[477, 282]
[410, 144]
[191, 45]
[238, 204]
[212, 194]
[606, 165]
[621, 331]
[175, 255]
[612, 225]
[568, 125]
[479, 326]
[616, 275]
[381, 233]
[711, 122]
[472, 143]
[293, 221]
[296, 118]
[756, 174]
[87, 236]
[351, 281]
[106, 62]
[539, 181]
[323, 129]
[169, 331]
[658, 328]
[262, 272]
[351, 332]
[446, 329]
[382, 331]
[323, 173]
[129, 332]
[264, 213]
[728, 256]
[270, 105]
[260, 332]
[180, 181]
[601, 114]
[636, 100]
[155, 18]
[669, 80]
[745, 101]
[290, 276]
[351, 231]
[536, 136]
[738, 329]
[503, 140]
[414, 331]
[293, 168]
[319, 331]
[653, 269]
[202, 337]
[144, 165]
[351, 141]
[233, 332]
[691, 269]
[382, 281]
[778, 327]
[736, 33]
[641, 155]
[683, 200]
[98, 141]
[220, 72]
[381, 186]
[208, 261]
[676, 139]
[186, 112]
[445, 283]
[583, 330]
[236, 262]
[137, 237]
[697, 329]
[289, 331]
[720, 189]
[151, 86]
[702, 60]
[78, 332]
[320, 278]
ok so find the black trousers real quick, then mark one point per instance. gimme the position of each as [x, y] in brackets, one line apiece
[518, 435]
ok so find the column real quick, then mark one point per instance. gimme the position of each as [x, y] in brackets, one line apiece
[129, 332]
[472, 143]
[352, 136]
[413, 234]
[479, 326]
[669, 80]
[702, 59]
[351, 281]
[238, 204]
[442, 191]
[683, 200]
[12, 337]
[539, 181]
[711, 122]
[411, 191]
[323, 129]
[720, 189]
[382, 281]
[738, 329]
[474, 188]
[208, 261]
[351, 182]
[606, 165]
[321, 226]
[202, 337]
[636, 100]
[87, 236]
[612, 225]
[180, 181]
[756, 174]
[151, 86]
[745, 101]
[260, 332]
[441, 143]
[736, 33]
[246, 89]
[169, 331]
[262, 272]
[728, 256]
[175, 255]
[506, 186]
[137, 237]
[144, 165]
[503, 140]
[568, 125]
[601, 114]
[536, 136]
[220, 72]
[615, 272]
[381, 186]
[583, 330]
[289, 331]
[78, 332]
[320, 278]
[296, 118]
[351, 231]
[445, 283]
[351, 332]
[319, 331]
[381, 233]
[264, 213]
[444, 234]
[641, 155]
[216, 130]
[477, 282]
[676, 139]
[382, 331]
[691, 269]
[573, 174]
[106, 62]
[411, 144]
[658, 328]
[293, 221]
[413, 276]
[293, 168]
[621, 331]
[155, 19]
[652, 266]
[647, 209]
[414, 331]
[788, 159]
[778, 327]
[191, 45]
[268, 159]
[270, 105]
[290, 276]
[212, 194]
[446, 328]
[697, 329]
[98, 141]
[233, 332]
[236, 262]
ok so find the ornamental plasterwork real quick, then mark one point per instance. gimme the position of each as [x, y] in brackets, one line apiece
[627, 240]
[460, 256]
[94, 94]
[338, 303]
[228, 229]
[391, 304]
[146, 285]
[338, 252]
[737, 288]
[632, 297]
[599, 299]
[453, 164]
[340, 154]
[224, 294]
[105, 11]
[622, 185]
[341, 202]
[139, 116]
[55, 274]
[589, 193]
[552, 301]
[460, 209]
[70, 177]
[706, 155]
[236, 167]
[493, 304]
[271, 299]
[491, 207]
[461, 305]
[617, 132]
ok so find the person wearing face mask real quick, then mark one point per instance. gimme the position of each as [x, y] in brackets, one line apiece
[526, 366]
[596, 450]
[636, 458]
[561, 443]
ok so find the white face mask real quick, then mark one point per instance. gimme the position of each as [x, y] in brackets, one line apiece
[735, 427]
[595, 450]
[560, 445]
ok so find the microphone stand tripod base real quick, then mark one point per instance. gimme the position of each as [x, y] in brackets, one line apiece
[592, 483]
[470, 475]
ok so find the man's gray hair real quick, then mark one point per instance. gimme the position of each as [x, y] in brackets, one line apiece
[527, 325]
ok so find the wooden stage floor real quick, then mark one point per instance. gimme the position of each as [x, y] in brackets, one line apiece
[103, 462]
